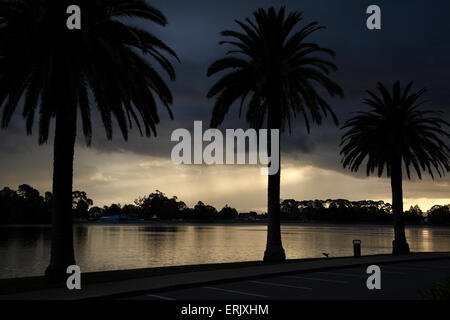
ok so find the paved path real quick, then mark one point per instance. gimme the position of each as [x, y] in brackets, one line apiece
[398, 281]
[136, 287]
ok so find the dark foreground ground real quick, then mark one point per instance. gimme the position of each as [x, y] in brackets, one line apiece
[399, 281]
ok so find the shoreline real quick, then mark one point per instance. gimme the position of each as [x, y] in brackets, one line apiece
[230, 223]
[120, 283]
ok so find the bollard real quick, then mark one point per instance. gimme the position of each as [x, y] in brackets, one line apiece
[357, 248]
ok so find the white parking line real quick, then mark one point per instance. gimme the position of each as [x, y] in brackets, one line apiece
[237, 292]
[317, 279]
[408, 268]
[159, 297]
[391, 272]
[434, 266]
[280, 285]
[343, 274]
[359, 275]
[443, 267]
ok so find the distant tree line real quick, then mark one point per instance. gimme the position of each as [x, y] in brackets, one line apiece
[345, 211]
[158, 206]
[26, 206]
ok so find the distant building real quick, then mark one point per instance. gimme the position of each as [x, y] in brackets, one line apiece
[109, 219]
[117, 218]
[248, 216]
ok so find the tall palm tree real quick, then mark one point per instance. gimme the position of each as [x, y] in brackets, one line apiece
[393, 133]
[60, 73]
[275, 69]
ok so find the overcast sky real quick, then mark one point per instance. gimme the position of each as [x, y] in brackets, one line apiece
[412, 45]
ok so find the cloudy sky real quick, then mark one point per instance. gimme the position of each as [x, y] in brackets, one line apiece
[412, 45]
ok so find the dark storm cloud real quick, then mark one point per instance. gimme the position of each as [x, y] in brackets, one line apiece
[412, 45]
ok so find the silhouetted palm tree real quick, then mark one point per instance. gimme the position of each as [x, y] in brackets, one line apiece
[57, 71]
[393, 132]
[275, 68]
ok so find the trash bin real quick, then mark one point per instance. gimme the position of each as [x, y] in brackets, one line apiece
[357, 248]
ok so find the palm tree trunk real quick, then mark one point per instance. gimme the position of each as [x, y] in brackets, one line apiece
[274, 248]
[62, 253]
[399, 245]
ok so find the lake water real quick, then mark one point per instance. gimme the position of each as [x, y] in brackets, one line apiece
[25, 251]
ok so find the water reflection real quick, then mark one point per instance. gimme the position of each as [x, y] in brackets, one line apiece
[25, 251]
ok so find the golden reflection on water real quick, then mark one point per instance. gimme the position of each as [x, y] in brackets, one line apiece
[25, 251]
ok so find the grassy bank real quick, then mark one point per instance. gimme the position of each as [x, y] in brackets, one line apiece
[16, 285]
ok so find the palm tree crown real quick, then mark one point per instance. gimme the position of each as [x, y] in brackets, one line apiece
[396, 127]
[52, 67]
[58, 72]
[273, 67]
[277, 70]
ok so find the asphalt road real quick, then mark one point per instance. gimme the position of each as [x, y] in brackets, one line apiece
[399, 281]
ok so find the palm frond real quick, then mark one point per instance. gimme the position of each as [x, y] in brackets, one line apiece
[396, 126]
[271, 61]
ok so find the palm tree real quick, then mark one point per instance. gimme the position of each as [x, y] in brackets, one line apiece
[394, 132]
[59, 72]
[274, 69]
